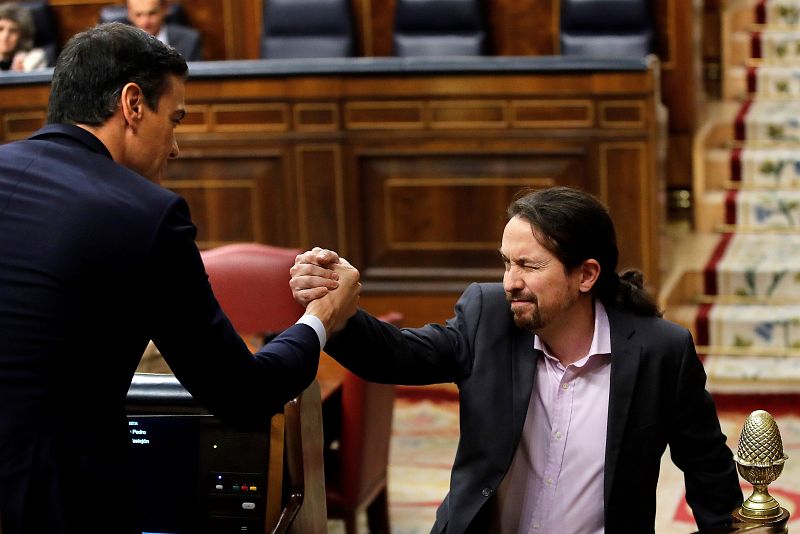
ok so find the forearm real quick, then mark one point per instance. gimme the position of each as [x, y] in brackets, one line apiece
[381, 352]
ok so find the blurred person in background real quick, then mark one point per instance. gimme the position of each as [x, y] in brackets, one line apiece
[16, 40]
[150, 16]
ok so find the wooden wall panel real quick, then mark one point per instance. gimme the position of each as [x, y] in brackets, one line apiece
[320, 187]
[524, 27]
[215, 21]
[380, 23]
[624, 186]
[235, 199]
[406, 175]
[429, 213]
[231, 29]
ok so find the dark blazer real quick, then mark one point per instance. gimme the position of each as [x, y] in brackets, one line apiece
[185, 40]
[94, 261]
[657, 398]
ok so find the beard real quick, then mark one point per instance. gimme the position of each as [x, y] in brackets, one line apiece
[527, 317]
[534, 317]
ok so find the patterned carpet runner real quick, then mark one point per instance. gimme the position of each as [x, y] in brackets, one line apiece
[749, 323]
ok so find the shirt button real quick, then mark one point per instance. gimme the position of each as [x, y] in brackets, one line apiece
[487, 492]
[536, 525]
[565, 386]
[549, 481]
[558, 435]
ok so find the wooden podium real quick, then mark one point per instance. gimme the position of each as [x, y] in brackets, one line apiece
[296, 481]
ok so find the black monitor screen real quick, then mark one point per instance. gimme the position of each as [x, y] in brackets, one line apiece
[195, 475]
[166, 467]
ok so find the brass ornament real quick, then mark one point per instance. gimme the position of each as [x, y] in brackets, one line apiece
[760, 460]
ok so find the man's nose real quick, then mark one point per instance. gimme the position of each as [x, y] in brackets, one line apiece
[175, 151]
[511, 280]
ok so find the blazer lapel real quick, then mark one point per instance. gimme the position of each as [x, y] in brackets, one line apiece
[523, 368]
[625, 357]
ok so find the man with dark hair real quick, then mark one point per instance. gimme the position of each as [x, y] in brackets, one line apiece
[151, 15]
[95, 260]
[570, 385]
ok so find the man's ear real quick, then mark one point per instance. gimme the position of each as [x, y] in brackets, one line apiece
[132, 104]
[590, 272]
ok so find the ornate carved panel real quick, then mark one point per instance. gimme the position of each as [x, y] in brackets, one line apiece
[384, 115]
[234, 200]
[622, 114]
[552, 113]
[426, 214]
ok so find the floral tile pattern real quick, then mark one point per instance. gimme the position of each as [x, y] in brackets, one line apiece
[760, 265]
[778, 81]
[782, 12]
[775, 209]
[771, 167]
[780, 46]
[773, 120]
[755, 326]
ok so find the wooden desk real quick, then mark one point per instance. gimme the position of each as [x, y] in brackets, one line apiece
[405, 166]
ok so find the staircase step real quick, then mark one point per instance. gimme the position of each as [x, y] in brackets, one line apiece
[769, 121]
[759, 210]
[752, 374]
[757, 266]
[777, 12]
[749, 329]
[765, 167]
[743, 305]
[764, 82]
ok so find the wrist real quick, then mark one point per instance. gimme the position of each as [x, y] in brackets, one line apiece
[322, 310]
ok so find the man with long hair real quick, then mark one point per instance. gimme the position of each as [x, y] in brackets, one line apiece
[571, 385]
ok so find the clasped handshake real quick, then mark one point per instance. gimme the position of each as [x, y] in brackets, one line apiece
[327, 285]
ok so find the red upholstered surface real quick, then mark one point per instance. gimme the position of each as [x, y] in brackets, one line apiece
[251, 283]
[356, 477]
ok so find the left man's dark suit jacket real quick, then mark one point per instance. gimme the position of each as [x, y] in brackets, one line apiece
[95, 261]
[186, 41]
[657, 398]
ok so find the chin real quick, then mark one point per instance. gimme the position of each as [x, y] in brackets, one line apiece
[531, 324]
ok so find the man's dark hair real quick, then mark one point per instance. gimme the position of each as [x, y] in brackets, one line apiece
[96, 64]
[574, 226]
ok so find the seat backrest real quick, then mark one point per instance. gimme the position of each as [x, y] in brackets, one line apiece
[607, 28]
[440, 28]
[44, 21]
[366, 429]
[251, 283]
[119, 13]
[307, 29]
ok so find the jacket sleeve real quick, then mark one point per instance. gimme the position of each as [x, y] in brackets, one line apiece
[381, 352]
[698, 448]
[199, 342]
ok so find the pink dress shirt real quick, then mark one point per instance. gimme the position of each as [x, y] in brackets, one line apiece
[555, 482]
